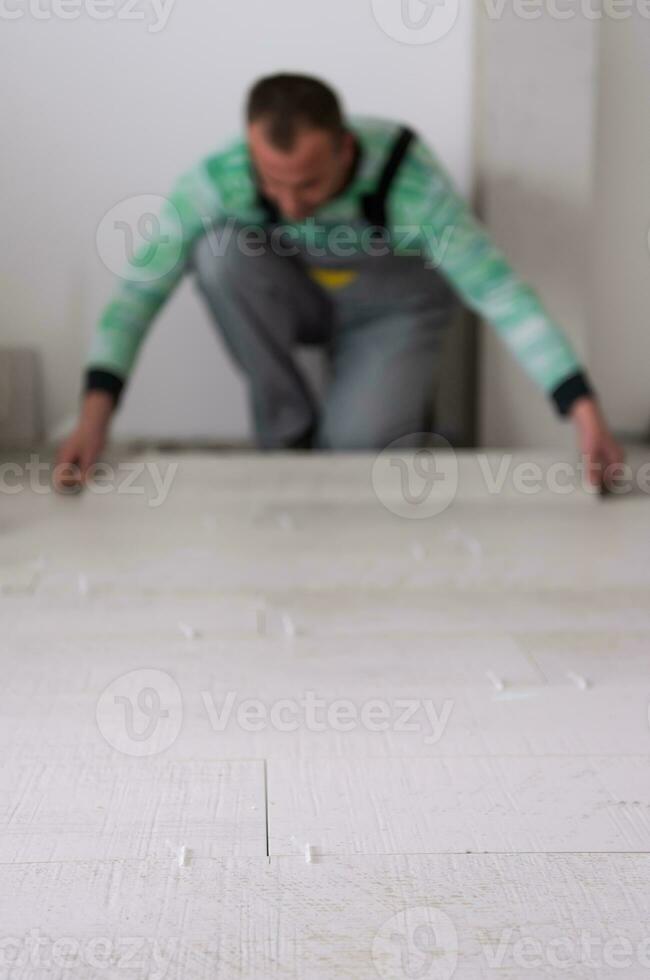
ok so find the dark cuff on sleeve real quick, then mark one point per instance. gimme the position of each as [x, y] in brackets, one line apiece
[574, 387]
[98, 380]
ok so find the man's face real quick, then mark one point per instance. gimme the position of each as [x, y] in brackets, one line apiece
[302, 179]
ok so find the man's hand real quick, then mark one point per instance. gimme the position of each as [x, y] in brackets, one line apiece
[597, 445]
[81, 449]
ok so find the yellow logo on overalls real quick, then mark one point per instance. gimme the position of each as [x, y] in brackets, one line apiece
[333, 278]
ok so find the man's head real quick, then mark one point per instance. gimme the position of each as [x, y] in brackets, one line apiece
[298, 141]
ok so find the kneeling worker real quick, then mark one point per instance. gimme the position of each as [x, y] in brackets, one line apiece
[344, 233]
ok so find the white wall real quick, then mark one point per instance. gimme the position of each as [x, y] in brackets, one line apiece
[537, 108]
[619, 340]
[100, 111]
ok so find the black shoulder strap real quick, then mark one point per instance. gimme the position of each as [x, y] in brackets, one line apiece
[271, 213]
[374, 204]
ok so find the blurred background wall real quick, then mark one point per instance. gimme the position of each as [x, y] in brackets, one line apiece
[543, 121]
[101, 111]
[536, 113]
[619, 334]
[563, 177]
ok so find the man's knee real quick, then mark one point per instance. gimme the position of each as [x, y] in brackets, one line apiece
[366, 432]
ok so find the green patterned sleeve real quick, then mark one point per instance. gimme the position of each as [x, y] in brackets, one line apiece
[460, 247]
[150, 274]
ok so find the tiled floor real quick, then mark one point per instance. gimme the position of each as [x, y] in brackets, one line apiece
[305, 716]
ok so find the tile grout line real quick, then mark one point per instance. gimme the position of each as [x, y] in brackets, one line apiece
[335, 856]
[266, 808]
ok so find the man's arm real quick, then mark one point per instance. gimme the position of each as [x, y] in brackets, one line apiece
[80, 450]
[465, 254]
[149, 278]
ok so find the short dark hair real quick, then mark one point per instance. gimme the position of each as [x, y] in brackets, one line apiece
[286, 104]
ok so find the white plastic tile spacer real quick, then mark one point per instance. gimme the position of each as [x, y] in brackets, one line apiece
[495, 681]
